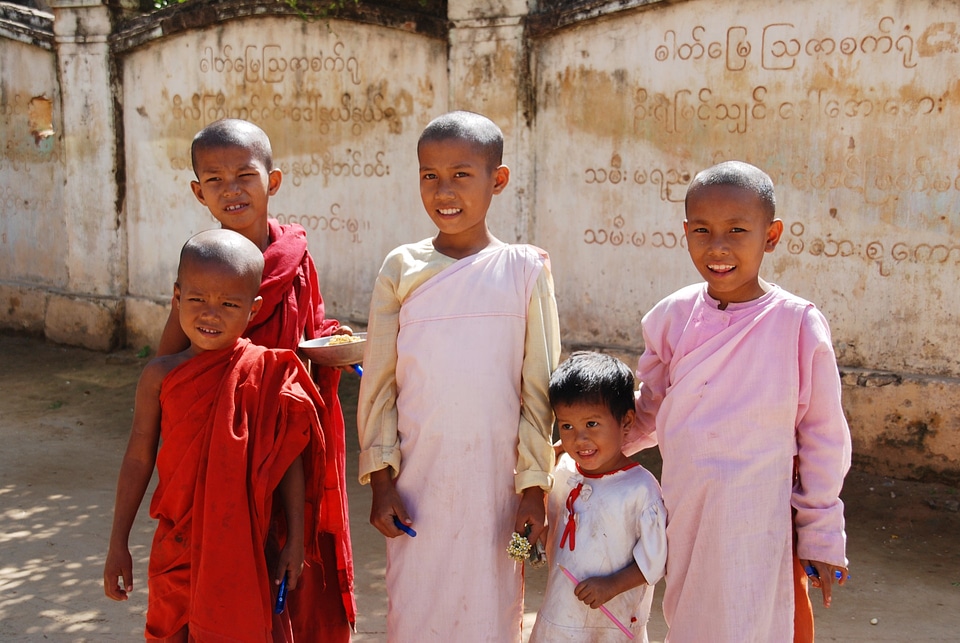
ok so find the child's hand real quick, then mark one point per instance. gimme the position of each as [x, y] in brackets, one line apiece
[828, 574]
[290, 563]
[387, 504]
[119, 566]
[533, 512]
[597, 590]
[343, 330]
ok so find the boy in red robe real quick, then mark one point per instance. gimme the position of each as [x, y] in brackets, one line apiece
[233, 163]
[240, 434]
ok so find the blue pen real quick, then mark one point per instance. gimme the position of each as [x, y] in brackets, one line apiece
[402, 527]
[281, 596]
[812, 572]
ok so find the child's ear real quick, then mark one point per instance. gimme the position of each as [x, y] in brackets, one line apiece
[255, 307]
[501, 176]
[197, 191]
[774, 232]
[274, 178]
[176, 293]
[627, 421]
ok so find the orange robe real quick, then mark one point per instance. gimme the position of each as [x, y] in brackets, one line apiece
[323, 607]
[232, 422]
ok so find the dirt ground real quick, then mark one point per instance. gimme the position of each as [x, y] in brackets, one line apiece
[64, 420]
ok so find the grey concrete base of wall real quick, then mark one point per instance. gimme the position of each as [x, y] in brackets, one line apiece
[904, 426]
[90, 322]
[22, 308]
[144, 322]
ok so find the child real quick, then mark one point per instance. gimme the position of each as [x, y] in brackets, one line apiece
[238, 422]
[233, 163]
[454, 417]
[607, 521]
[738, 382]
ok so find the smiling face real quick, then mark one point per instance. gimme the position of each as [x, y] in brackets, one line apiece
[728, 230]
[593, 436]
[215, 304]
[235, 185]
[457, 184]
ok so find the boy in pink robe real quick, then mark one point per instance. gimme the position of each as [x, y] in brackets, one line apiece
[454, 416]
[741, 389]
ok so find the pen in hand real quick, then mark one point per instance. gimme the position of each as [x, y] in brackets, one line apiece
[281, 596]
[812, 572]
[402, 527]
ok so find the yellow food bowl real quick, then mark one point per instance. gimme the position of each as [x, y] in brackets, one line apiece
[321, 351]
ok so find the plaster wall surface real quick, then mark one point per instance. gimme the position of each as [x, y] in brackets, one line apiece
[607, 113]
[845, 105]
[343, 105]
[32, 243]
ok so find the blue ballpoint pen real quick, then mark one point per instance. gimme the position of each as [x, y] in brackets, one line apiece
[281, 596]
[812, 572]
[402, 527]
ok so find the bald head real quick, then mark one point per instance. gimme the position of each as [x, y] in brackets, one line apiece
[226, 251]
[233, 132]
[476, 129]
[740, 175]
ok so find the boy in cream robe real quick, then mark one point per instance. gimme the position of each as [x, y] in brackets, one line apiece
[454, 417]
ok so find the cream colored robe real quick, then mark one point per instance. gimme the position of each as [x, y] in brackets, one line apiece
[453, 347]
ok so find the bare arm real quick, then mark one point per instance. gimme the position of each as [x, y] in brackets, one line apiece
[293, 494]
[597, 590]
[135, 472]
[173, 340]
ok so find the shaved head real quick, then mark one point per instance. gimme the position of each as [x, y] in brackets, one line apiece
[233, 132]
[475, 129]
[740, 175]
[224, 250]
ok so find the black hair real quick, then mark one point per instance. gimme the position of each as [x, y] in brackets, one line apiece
[227, 250]
[741, 175]
[233, 132]
[467, 126]
[593, 378]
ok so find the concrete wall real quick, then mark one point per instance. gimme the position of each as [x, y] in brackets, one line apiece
[608, 108]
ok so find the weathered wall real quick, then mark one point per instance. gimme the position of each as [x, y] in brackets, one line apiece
[32, 252]
[846, 105]
[609, 108]
[343, 104]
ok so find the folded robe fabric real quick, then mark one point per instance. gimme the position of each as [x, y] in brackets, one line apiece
[292, 310]
[232, 422]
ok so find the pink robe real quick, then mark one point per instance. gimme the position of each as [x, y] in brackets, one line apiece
[733, 396]
[460, 352]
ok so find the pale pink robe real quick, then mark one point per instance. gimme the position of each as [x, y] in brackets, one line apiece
[736, 394]
[460, 352]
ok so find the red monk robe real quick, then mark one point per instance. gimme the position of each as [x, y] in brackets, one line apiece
[293, 310]
[232, 422]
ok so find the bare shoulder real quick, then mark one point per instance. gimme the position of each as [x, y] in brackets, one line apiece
[158, 368]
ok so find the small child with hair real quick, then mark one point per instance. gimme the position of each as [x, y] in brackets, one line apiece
[240, 434]
[454, 417]
[606, 516]
[235, 178]
[740, 388]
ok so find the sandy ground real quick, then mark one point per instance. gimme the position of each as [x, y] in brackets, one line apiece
[64, 420]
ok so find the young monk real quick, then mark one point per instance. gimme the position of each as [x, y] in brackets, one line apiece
[238, 422]
[740, 387]
[454, 416]
[233, 163]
